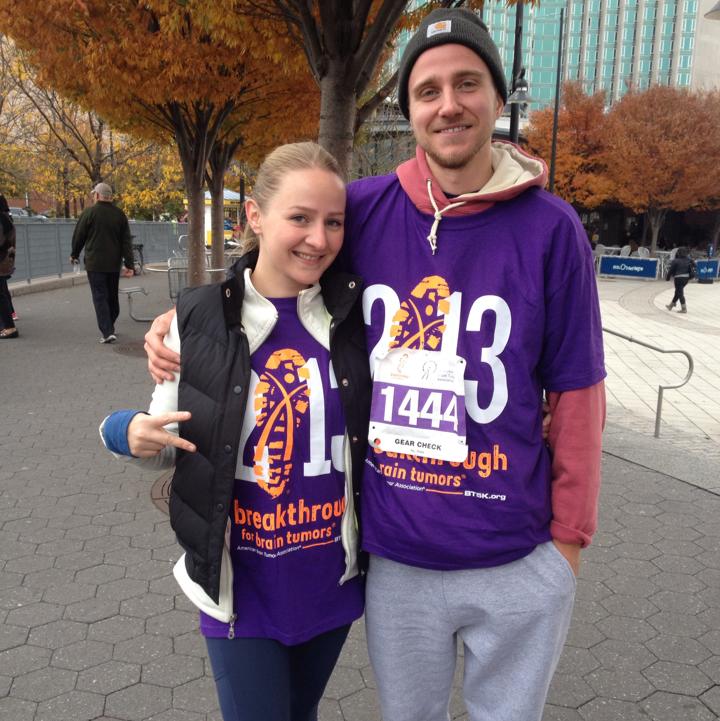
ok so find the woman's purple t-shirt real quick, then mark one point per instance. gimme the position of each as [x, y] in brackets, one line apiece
[289, 498]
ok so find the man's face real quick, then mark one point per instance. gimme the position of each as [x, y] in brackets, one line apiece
[453, 105]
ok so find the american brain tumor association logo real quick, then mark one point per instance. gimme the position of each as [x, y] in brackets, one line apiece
[420, 321]
[282, 398]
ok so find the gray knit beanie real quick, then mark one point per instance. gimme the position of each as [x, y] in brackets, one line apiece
[450, 25]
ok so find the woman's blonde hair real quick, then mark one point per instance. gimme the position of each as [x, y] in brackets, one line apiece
[281, 161]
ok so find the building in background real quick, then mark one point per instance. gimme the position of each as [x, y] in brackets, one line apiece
[612, 45]
[706, 67]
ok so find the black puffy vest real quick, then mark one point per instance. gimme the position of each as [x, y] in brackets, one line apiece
[214, 379]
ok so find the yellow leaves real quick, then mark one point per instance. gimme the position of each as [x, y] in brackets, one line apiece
[150, 183]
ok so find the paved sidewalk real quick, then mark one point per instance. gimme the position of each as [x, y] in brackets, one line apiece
[92, 624]
[691, 414]
[49, 282]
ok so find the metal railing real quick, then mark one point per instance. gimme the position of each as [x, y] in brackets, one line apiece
[43, 248]
[661, 388]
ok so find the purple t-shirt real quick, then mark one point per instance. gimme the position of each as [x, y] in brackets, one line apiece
[289, 498]
[512, 291]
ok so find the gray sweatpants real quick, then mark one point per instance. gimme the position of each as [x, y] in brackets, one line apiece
[512, 620]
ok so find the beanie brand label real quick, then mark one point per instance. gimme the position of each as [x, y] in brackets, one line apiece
[440, 27]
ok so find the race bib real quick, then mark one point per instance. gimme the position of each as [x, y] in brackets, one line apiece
[418, 405]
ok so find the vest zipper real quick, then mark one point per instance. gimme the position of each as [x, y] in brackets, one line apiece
[231, 628]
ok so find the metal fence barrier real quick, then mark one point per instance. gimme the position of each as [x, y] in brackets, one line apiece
[661, 388]
[43, 248]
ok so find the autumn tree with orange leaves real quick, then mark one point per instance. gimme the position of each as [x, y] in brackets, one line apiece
[581, 177]
[153, 69]
[661, 152]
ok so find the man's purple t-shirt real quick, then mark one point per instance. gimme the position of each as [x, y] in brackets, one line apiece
[289, 499]
[512, 291]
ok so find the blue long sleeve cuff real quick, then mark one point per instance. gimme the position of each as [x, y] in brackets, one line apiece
[115, 430]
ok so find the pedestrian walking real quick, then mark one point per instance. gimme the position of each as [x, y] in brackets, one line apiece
[682, 269]
[267, 442]
[7, 268]
[480, 292]
[103, 232]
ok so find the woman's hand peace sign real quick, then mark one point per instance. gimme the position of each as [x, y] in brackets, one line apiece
[147, 436]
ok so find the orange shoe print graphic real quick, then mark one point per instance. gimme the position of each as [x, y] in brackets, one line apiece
[420, 321]
[281, 400]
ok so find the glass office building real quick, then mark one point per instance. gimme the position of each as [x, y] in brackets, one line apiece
[608, 45]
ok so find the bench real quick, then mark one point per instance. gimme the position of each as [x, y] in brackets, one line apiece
[130, 292]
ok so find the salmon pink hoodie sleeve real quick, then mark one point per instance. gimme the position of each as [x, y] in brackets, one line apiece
[578, 419]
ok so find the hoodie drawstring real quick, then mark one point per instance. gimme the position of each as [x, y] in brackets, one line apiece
[432, 238]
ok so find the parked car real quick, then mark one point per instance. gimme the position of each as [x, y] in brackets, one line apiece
[28, 216]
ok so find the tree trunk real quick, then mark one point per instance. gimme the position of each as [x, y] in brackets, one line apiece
[196, 232]
[217, 216]
[337, 117]
[196, 131]
[96, 158]
[656, 218]
[66, 190]
[193, 162]
[715, 234]
[218, 162]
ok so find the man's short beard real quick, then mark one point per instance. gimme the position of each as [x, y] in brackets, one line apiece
[451, 162]
[457, 161]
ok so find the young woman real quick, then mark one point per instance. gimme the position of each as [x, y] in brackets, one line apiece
[271, 405]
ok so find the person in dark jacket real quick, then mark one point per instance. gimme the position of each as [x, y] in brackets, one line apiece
[7, 266]
[103, 231]
[272, 408]
[682, 269]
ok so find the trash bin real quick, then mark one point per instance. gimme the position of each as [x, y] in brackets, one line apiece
[707, 270]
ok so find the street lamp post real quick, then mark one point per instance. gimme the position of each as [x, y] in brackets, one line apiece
[517, 65]
[518, 100]
[556, 111]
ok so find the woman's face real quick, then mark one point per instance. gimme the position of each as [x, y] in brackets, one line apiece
[300, 229]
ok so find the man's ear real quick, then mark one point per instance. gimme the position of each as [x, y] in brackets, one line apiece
[254, 215]
[499, 105]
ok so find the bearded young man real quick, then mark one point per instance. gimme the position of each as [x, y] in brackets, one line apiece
[480, 294]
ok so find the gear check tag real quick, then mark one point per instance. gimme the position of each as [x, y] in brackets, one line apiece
[418, 405]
